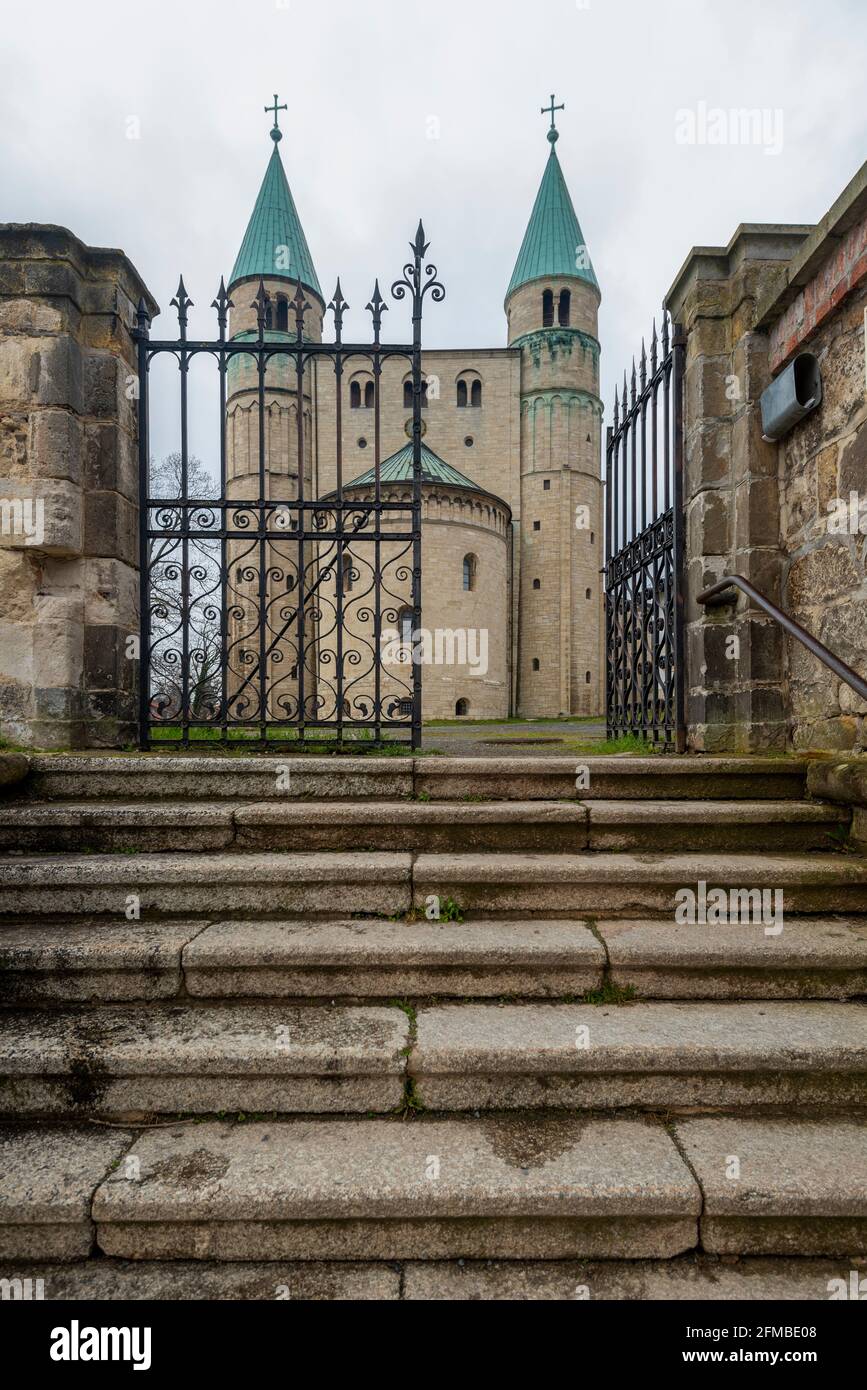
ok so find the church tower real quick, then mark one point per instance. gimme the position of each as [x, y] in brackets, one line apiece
[552, 307]
[275, 253]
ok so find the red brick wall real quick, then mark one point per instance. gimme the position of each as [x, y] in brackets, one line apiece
[841, 273]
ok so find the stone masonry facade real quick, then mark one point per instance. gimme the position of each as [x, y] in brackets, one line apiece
[766, 511]
[68, 490]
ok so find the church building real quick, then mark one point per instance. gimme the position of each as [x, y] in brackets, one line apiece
[512, 533]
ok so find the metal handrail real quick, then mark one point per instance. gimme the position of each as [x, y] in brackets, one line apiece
[712, 597]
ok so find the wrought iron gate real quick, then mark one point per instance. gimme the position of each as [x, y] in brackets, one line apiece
[644, 548]
[263, 616]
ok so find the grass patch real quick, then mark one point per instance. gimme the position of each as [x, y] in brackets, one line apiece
[610, 994]
[629, 744]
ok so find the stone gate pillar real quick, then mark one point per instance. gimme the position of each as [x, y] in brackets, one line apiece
[68, 490]
[735, 694]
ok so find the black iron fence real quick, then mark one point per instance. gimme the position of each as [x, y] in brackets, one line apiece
[644, 547]
[263, 610]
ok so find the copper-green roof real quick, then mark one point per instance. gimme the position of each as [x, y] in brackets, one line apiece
[398, 469]
[553, 244]
[274, 226]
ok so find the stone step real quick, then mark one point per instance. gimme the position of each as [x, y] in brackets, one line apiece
[380, 1189]
[630, 885]
[183, 884]
[210, 777]
[558, 1187]
[555, 827]
[100, 960]
[104, 960]
[393, 958]
[77, 961]
[325, 884]
[650, 778]
[669, 826]
[685, 1277]
[48, 1175]
[280, 1059]
[811, 958]
[779, 1186]
[185, 1059]
[659, 1056]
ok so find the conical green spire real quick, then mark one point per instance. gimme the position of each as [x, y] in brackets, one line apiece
[274, 243]
[553, 244]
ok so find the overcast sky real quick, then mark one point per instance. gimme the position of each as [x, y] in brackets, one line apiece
[368, 84]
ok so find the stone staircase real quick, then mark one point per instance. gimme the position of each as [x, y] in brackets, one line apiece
[241, 1057]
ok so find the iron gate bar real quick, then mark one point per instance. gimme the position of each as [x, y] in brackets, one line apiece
[644, 549]
[186, 521]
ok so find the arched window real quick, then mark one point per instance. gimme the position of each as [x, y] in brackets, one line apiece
[462, 395]
[282, 314]
[369, 395]
[564, 308]
[348, 574]
[407, 394]
[405, 622]
[269, 315]
[588, 593]
[469, 573]
[355, 395]
[535, 663]
[548, 309]
[462, 709]
[537, 583]
[588, 678]
[476, 394]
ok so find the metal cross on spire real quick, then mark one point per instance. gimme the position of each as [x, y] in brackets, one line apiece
[276, 133]
[553, 134]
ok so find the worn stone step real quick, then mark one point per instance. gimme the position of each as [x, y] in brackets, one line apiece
[48, 1175]
[630, 885]
[683, 1278]
[185, 1059]
[402, 958]
[111, 960]
[555, 827]
[183, 884]
[654, 1056]
[78, 961]
[105, 826]
[180, 1282]
[210, 777]
[778, 1186]
[670, 826]
[560, 1187]
[612, 778]
[824, 958]
[104, 960]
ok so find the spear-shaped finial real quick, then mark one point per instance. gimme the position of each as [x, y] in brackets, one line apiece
[377, 307]
[182, 303]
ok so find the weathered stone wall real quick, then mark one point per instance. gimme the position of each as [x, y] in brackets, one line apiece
[761, 510]
[822, 466]
[68, 490]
